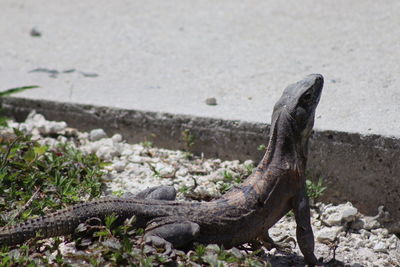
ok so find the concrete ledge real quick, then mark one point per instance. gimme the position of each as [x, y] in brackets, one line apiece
[362, 169]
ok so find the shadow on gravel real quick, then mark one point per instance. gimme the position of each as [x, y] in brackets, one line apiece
[294, 260]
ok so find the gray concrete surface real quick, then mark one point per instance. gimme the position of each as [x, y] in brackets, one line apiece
[170, 56]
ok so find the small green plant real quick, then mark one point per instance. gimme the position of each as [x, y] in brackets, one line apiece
[147, 144]
[34, 177]
[315, 190]
[249, 169]
[118, 193]
[261, 147]
[290, 214]
[184, 189]
[188, 155]
[231, 177]
[224, 187]
[188, 138]
[156, 173]
[228, 176]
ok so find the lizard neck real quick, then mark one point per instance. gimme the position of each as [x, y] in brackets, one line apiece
[286, 150]
[285, 154]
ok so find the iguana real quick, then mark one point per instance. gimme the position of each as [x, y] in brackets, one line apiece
[242, 215]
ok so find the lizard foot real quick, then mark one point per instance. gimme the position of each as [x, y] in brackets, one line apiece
[170, 232]
[281, 244]
[159, 242]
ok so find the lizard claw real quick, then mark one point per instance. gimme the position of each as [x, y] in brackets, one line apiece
[159, 242]
[282, 244]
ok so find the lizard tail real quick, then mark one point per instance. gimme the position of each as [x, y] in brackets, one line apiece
[65, 221]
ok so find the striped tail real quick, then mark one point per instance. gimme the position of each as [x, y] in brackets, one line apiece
[65, 221]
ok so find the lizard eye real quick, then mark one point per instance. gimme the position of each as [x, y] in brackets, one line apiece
[307, 97]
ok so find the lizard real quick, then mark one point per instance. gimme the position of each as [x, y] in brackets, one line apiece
[242, 215]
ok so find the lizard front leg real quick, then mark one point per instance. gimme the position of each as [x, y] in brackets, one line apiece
[304, 233]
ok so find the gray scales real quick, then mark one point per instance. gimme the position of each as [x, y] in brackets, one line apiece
[244, 214]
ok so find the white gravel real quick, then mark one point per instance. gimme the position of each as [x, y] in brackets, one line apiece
[340, 230]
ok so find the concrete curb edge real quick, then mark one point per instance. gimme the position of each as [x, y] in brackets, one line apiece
[358, 168]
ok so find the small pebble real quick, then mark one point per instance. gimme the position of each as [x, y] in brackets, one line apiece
[116, 138]
[35, 33]
[119, 166]
[380, 247]
[328, 234]
[97, 134]
[212, 101]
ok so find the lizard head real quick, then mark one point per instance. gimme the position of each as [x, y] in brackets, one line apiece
[297, 106]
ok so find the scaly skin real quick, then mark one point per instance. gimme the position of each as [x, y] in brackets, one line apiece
[242, 215]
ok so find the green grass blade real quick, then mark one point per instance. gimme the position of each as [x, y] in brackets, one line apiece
[16, 90]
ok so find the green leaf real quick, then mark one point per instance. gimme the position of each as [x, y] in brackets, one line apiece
[40, 150]
[101, 233]
[3, 122]
[29, 156]
[110, 220]
[16, 90]
[261, 147]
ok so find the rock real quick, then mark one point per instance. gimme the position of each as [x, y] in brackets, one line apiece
[380, 247]
[393, 240]
[213, 248]
[35, 32]
[164, 170]
[97, 134]
[67, 248]
[201, 191]
[328, 234]
[62, 139]
[248, 162]
[348, 213]
[357, 224]
[42, 126]
[134, 158]
[56, 127]
[212, 190]
[370, 222]
[237, 253]
[383, 215]
[106, 153]
[83, 136]
[341, 214]
[182, 172]
[116, 138]
[366, 253]
[359, 243]
[365, 234]
[382, 232]
[212, 101]
[334, 219]
[112, 243]
[70, 132]
[7, 135]
[119, 166]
